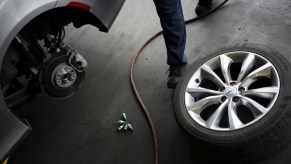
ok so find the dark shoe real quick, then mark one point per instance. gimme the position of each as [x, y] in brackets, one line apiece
[203, 7]
[175, 74]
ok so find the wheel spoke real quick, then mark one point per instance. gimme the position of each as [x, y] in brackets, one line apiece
[266, 92]
[234, 121]
[215, 118]
[263, 71]
[200, 105]
[207, 72]
[219, 100]
[199, 91]
[247, 65]
[256, 108]
[225, 63]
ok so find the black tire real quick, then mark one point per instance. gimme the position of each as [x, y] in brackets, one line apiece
[249, 144]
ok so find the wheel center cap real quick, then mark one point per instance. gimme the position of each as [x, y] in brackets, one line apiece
[230, 92]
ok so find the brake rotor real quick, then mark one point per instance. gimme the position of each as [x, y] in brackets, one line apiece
[59, 79]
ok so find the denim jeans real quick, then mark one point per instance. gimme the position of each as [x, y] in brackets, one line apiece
[174, 31]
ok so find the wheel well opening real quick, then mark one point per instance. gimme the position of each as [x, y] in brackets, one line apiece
[57, 18]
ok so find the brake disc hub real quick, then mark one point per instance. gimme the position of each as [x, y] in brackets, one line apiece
[62, 74]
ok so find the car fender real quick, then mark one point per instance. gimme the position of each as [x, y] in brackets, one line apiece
[13, 131]
[104, 11]
[14, 15]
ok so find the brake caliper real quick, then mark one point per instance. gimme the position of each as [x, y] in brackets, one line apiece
[77, 61]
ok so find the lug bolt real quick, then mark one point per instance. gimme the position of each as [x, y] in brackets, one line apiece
[197, 80]
[124, 116]
[222, 89]
[123, 124]
[235, 99]
[241, 89]
[223, 99]
[232, 83]
[121, 127]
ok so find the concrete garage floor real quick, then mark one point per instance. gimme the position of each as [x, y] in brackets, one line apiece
[83, 129]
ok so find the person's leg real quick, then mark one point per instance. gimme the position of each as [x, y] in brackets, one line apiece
[203, 7]
[174, 32]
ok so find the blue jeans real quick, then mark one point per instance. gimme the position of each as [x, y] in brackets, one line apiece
[172, 22]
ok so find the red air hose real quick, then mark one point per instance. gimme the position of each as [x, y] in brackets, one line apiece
[153, 131]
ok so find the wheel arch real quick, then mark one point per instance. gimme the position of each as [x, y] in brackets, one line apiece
[14, 129]
[13, 25]
[78, 16]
